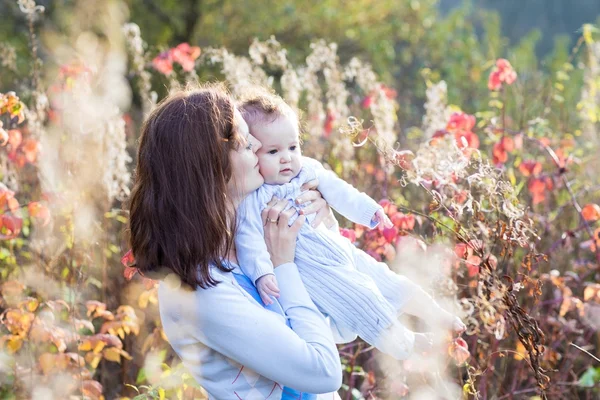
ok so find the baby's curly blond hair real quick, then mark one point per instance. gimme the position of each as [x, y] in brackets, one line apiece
[260, 105]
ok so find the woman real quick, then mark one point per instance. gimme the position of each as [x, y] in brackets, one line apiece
[196, 162]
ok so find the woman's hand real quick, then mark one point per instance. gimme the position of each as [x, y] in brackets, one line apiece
[279, 237]
[318, 205]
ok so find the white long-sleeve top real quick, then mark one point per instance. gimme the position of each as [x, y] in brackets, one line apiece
[237, 349]
[252, 251]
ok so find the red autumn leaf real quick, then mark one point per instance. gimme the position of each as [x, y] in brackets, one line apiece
[390, 234]
[461, 121]
[31, 149]
[530, 168]
[367, 101]
[129, 272]
[163, 63]
[460, 249]
[459, 351]
[328, 126]
[473, 263]
[536, 185]
[12, 224]
[494, 82]
[348, 233]
[403, 221]
[40, 212]
[185, 55]
[591, 212]
[461, 197]
[507, 143]
[389, 92]
[502, 73]
[467, 138]
[388, 207]
[3, 136]
[500, 156]
[14, 138]
[403, 159]
[128, 260]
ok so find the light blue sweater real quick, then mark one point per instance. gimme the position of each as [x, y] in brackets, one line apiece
[237, 349]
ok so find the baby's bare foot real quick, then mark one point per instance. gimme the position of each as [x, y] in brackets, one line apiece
[423, 342]
[451, 321]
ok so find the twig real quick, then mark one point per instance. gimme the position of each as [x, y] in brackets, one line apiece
[586, 352]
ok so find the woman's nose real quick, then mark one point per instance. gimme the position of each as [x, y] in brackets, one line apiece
[256, 144]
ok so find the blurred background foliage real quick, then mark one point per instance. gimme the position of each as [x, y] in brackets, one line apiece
[448, 39]
[412, 45]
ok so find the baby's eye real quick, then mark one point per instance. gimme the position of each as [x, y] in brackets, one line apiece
[272, 151]
[293, 148]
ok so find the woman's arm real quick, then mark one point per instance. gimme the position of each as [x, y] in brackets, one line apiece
[226, 320]
[304, 357]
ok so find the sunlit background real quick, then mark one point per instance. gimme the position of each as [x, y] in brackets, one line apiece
[474, 122]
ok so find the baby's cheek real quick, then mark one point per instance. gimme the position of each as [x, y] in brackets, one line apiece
[265, 169]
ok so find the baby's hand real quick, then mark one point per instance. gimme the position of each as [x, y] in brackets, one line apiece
[267, 286]
[381, 218]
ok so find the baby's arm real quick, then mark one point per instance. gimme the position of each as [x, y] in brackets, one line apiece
[354, 205]
[251, 249]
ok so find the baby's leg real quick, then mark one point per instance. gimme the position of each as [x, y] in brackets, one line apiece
[353, 302]
[405, 295]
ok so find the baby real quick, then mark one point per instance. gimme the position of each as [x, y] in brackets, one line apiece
[359, 295]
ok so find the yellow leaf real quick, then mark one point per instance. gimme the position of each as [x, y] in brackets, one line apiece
[47, 362]
[95, 361]
[99, 347]
[112, 354]
[85, 346]
[161, 393]
[143, 300]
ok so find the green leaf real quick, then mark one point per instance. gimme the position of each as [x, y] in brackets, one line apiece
[141, 376]
[357, 395]
[590, 377]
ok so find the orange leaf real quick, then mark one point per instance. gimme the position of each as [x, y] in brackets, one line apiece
[591, 212]
[112, 354]
[92, 389]
[11, 342]
[3, 136]
[12, 288]
[530, 167]
[14, 138]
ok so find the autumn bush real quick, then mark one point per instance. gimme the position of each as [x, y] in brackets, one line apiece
[495, 211]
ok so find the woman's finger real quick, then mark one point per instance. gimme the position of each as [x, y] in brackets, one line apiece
[275, 211]
[295, 228]
[284, 216]
[265, 212]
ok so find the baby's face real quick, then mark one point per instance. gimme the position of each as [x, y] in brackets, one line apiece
[279, 158]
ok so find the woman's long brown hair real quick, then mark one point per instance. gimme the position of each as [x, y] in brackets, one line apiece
[180, 216]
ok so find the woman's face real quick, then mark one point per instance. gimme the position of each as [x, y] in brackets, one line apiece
[246, 177]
